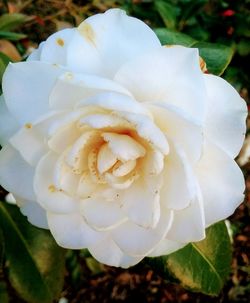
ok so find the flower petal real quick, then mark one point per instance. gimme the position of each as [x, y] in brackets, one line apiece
[221, 181]
[35, 214]
[179, 184]
[30, 144]
[64, 137]
[179, 127]
[55, 47]
[123, 146]
[170, 75]
[71, 231]
[15, 170]
[189, 223]
[101, 214]
[102, 43]
[142, 202]
[36, 54]
[64, 178]
[71, 88]
[166, 247]
[105, 159]
[77, 157]
[107, 252]
[138, 241]
[51, 198]
[148, 131]
[226, 115]
[26, 84]
[110, 121]
[8, 124]
[115, 102]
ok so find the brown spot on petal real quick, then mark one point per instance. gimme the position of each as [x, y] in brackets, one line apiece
[28, 125]
[87, 32]
[60, 42]
[52, 188]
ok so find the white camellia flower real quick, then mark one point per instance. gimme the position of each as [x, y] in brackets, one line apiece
[118, 144]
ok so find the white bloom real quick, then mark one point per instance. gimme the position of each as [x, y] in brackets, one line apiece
[117, 144]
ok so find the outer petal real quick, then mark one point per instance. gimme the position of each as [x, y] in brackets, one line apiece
[72, 88]
[36, 54]
[107, 252]
[104, 42]
[222, 183]
[166, 247]
[180, 128]
[179, 184]
[71, 231]
[189, 223]
[138, 241]
[26, 88]
[16, 175]
[116, 102]
[51, 198]
[55, 47]
[8, 124]
[170, 75]
[35, 213]
[30, 145]
[226, 115]
[101, 214]
[142, 202]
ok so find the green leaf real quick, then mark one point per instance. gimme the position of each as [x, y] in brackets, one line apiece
[8, 22]
[94, 266]
[11, 36]
[170, 37]
[191, 9]
[243, 47]
[216, 56]
[4, 297]
[1, 248]
[36, 262]
[202, 266]
[4, 61]
[167, 12]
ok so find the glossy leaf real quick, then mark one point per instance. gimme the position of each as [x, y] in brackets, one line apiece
[1, 248]
[191, 8]
[11, 36]
[4, 297]
[216, 56]
[36, 263]
[4, 61]
[167, 12]
[9, 22]
[170, 37]
[202, 266]
[94, 266]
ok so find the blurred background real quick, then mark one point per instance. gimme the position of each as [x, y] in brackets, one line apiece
[24, 24]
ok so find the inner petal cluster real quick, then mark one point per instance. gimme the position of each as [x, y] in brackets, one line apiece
[105, 152]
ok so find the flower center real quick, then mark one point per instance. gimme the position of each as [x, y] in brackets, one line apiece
[108, 153]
